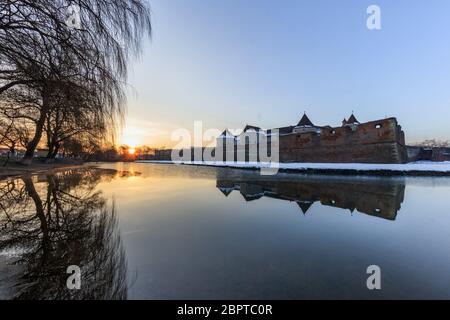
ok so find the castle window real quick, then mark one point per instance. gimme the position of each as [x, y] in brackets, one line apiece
[378, 126]
[333, 132]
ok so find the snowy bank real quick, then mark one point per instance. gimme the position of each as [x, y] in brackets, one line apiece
[413, 168]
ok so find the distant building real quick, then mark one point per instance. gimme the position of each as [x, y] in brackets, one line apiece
[424, 153]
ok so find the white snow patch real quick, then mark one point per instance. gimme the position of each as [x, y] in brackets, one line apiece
[11, 253]
[412, 166]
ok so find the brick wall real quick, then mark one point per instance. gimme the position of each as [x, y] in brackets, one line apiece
[379, 141]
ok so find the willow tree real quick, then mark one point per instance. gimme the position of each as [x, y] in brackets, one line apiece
[85, 44]
[62, 220]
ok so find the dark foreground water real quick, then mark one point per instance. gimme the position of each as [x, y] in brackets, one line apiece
[178, 232]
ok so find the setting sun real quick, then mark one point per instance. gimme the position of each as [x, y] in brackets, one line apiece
[131, 151]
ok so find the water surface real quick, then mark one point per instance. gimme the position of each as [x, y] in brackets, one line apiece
[153, 231]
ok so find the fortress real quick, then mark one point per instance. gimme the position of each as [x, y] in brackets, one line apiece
[380, 141]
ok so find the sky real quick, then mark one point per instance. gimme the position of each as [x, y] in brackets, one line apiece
[229, 63]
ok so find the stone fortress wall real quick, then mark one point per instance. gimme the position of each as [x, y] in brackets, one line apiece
[378, 141]
[381, 141]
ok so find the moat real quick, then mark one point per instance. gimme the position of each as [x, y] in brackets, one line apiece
[157, 231]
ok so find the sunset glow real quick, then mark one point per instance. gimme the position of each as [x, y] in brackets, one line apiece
[139, 132]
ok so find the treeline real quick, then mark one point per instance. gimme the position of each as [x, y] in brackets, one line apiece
[433, 143]
[121, 153]
[63, 71]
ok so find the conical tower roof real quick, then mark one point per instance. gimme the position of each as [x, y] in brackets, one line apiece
[305, 122]
[227, 134]
[249, 127]
[352, 119]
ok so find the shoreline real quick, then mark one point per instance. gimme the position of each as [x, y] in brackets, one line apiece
[15, 170]
[417, 169]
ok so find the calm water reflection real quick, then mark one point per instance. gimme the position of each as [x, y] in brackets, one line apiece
[377, 197]
[179, 232]
[50, 222]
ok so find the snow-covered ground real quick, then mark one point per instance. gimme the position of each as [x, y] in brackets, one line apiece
[421, 166]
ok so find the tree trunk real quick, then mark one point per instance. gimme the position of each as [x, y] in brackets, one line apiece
[55, 151]
[31, 146]
[49, 138]
[40, 213]
[50, 151]
[12, 150]
[7, 160]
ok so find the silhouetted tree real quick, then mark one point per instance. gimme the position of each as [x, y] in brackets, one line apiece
[59, 222]
[41, 52]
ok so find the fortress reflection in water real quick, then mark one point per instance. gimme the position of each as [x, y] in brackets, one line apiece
[378, 197]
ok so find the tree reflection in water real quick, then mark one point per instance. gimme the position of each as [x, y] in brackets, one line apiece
[54, 221]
